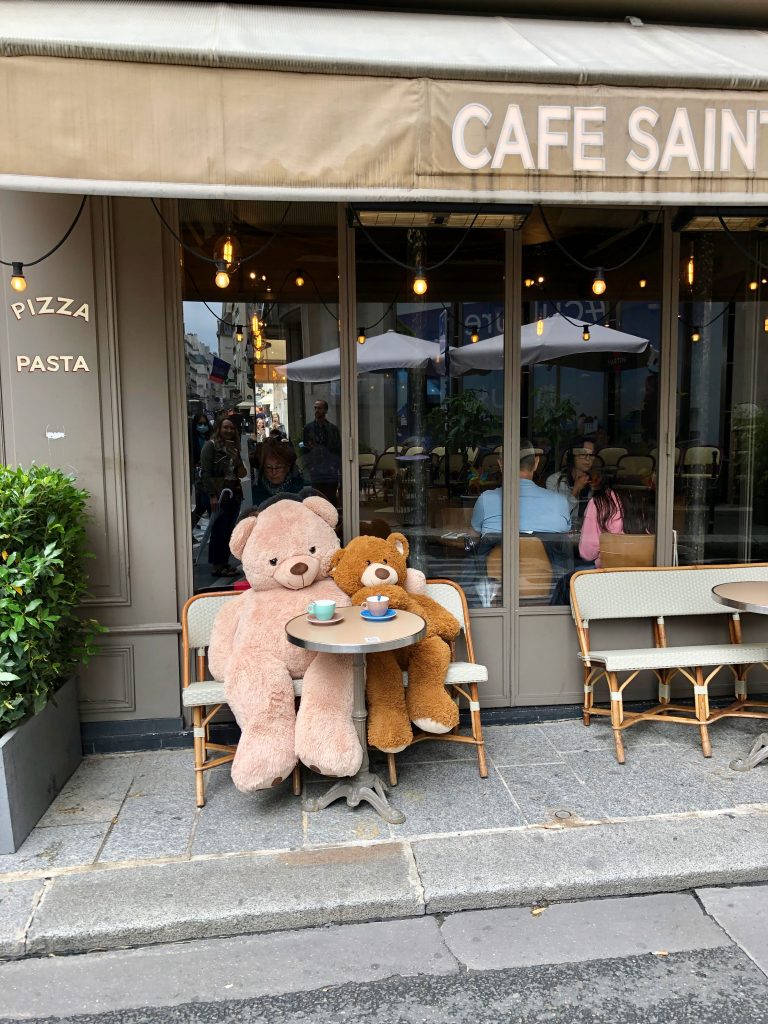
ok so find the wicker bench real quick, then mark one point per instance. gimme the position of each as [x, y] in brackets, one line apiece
[658, 594]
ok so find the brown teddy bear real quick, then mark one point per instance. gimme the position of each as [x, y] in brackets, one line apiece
[371, 565]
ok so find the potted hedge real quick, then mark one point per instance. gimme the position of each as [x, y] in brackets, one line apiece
[42, 641]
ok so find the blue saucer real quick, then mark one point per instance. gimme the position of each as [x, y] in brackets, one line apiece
[378, 618]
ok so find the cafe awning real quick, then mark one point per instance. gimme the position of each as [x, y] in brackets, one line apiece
[251, 101]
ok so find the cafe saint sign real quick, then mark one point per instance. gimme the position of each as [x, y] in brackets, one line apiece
[51, 305]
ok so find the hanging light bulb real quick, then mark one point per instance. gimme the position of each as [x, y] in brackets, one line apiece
[299, 279]
[540, 279]
[598, 285]
[690, 270]
[222, 277]
[642, 282]
[258, 354]
[753, 286]
[529, 282]
[474, 337]
[252, 275]
[765, 325]
[585, 335]
[239, 334]
[18, 281]
[419, 282]
[361, 336]
[227, 249]
[539, 327]
[695, 334]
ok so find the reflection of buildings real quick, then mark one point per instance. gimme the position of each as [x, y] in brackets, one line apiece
[239, 354]
[200, 389]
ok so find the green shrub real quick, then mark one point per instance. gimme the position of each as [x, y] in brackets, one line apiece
[42, 582]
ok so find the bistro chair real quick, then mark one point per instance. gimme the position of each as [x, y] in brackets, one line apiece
[205, 696]
[366, 462]
[535, 577]
[462, 679]
[627, 550]
[611, 456]
[635, 468]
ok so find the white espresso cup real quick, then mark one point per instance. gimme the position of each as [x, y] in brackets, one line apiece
[376, 605]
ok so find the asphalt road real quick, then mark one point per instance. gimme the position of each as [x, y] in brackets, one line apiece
[688, 957]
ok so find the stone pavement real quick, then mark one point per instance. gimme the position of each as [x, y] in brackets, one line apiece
[123, 858]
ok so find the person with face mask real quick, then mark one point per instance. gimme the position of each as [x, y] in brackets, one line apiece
[199, 433]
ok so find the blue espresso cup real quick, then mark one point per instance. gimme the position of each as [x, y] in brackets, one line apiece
[322, 609]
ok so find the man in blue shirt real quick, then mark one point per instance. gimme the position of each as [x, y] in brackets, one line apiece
[541, 511]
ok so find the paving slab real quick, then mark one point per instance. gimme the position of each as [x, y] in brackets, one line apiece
[59, 846]
[523, 866]
[143, 905]
[94, 793]
[233, 822]
[742, 911]
[17, 901]
[522, 744]
[246, 967]
[545, 791]
[150, 826]
[484, 940]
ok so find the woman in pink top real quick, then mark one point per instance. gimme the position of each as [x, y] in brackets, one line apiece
[609, 512]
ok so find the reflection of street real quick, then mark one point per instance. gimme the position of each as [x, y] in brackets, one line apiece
[203, 575]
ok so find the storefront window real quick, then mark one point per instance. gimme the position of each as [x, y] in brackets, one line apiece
[262, 367]
[430, 417]
[721, 453]
[589, 396]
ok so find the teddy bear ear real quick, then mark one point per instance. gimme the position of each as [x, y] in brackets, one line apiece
[400, 542]
[240, 535]
[323, 508]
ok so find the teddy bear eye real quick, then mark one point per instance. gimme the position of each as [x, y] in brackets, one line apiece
[273, 561]
[385, 561]
[368, 561]
[312, 550]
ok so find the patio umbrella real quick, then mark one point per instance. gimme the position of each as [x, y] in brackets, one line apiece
[388, 351]
[558, 338]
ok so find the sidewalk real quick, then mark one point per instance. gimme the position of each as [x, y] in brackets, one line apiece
[123, 858]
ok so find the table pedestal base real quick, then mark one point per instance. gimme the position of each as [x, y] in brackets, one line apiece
[363, 786]
[757, 754]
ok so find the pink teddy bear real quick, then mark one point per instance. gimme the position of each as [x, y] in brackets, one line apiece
[286, 550]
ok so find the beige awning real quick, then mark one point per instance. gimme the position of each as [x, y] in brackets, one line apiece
[243, 101]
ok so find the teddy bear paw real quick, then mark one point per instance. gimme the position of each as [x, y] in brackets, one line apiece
[430, 725]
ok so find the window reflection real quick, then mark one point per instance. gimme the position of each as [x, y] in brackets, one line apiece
[430, 419]
[589, 397]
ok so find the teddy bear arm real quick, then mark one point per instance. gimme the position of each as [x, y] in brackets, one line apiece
[222, 638]
[439, 621]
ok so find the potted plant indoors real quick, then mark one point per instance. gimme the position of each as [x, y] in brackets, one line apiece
[42, 641]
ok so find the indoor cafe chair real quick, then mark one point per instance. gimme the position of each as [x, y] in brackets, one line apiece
[205, 696]
[462, 678]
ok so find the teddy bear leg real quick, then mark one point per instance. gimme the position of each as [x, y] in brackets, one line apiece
[259, 691]
[326, 739]
[389, 726]
[429, 705]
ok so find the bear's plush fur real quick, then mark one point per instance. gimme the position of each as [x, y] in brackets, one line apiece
[286, 550]
[371, 565]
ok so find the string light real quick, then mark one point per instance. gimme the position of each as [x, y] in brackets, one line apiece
[299, 279]
[239, 333]
[753, 286]
[18, 281]
[361, 336]
[585, 335]
[540, 279]
[695, 334]
[222, 277]
[226, 250]
[252, 275]
[419, 282]
[474, 337]
[642, 282]
[690, 270]
[765, 325]
[539, 327]
[598, 285]
[529, 282]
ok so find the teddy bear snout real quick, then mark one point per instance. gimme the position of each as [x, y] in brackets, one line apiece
[377, 574]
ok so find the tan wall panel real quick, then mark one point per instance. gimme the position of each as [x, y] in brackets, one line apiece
[491, 640]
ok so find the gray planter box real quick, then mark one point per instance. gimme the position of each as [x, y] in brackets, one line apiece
[36, 759]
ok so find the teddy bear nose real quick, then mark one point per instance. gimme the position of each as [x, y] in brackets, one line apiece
[382, 574]
[299, 568]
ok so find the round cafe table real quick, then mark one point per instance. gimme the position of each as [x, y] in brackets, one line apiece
[358, 636]
[748, 596]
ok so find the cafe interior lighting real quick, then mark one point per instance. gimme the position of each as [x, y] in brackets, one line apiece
[227, 250]
[539, 327]
[361, 336]
[690, 270]
[419, 282]
[585, 335]
[540, 279]
[598, 285]
[753, 286]
[529, 282]
[18, 281]
[299, 279]
[252, 275]
[765, 325]
[474, 337]
[642, 282]
[695, 334]
[222, 277]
